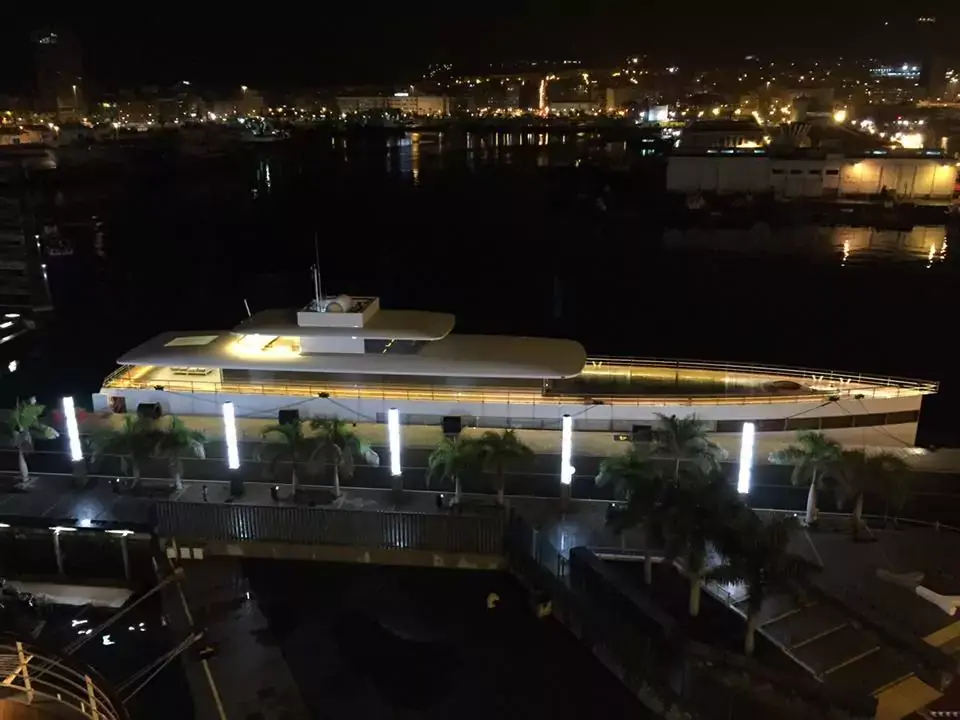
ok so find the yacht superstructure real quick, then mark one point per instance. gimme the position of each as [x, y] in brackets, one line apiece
[349, 357]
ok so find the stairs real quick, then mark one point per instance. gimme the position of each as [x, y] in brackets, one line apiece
[836, 650]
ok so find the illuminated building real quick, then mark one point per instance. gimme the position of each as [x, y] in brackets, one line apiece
[408, 103]
[722, 134]
[925, 175]
[59, 75]
[347, 357]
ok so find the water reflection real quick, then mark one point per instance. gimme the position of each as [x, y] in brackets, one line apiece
[264, 181]
[411, 154]
[849, 244]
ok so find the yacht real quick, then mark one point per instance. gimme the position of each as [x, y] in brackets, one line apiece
[347, 356]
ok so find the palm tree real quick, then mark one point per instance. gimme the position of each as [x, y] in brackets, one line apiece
[134, 441]
[685, 439]
[176, 441]
[636, 480]
[858, 473]
[21, 426]
[813, 457]
[452, 459]
[498, 451]
[696, 512]
[286, 442]
[758, 559]
[341, 447]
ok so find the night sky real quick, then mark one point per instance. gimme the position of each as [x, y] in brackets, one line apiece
[377, 42]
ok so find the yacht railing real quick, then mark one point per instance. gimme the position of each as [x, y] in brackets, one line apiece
[759, 372]
[501, 396]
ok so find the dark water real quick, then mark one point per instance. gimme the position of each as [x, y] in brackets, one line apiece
[130, 645]
[386, 642]
[507, 237]
[510, 239]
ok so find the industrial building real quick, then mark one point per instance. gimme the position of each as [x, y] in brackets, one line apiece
[924, 176]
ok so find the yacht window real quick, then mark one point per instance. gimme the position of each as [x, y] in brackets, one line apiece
[392, 347]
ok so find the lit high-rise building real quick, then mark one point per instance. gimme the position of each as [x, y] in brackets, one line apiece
[59, 74]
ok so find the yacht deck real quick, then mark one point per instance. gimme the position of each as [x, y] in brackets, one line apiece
[603, 380]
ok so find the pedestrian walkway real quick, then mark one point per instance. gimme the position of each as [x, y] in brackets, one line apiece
[830, 641]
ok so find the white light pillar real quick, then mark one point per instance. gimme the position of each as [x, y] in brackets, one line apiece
[77, 463]
[230, 433]
[747, 440]
[73, 430]
[566, 466]
[566, 450]
[393, 431]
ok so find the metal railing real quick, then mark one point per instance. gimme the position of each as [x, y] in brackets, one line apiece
[759, 371]
[37, 680]
[645, 648]
[327, 526]
[506, 396]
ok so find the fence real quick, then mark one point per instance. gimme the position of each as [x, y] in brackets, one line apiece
[327, 526]
[734, 369]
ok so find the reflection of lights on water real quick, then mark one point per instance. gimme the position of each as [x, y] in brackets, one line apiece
[846, 252]
[938, 255]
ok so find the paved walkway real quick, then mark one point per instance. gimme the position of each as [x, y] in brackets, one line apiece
[599, 444]
[826, 639]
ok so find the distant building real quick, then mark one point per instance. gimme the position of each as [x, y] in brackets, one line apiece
[402, 102]
[573, 106]
[618, 97]
[933, 77]
[723, 134]
[21, 136]
[908, 176]
[907, 71]
[59, 75]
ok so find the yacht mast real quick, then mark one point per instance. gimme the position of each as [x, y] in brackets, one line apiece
[316, 271]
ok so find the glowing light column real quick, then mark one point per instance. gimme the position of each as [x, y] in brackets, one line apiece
[396, 467]
[73, 440]
[393, 431]
[230, 433]
[566, 450]
[73, 430]
[747, 440]
[566, 467]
